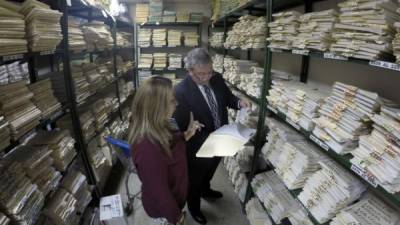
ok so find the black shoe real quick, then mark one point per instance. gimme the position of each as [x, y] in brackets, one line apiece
[212, 194]
[198, 216]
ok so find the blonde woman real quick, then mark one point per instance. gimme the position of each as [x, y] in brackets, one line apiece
[159, 151]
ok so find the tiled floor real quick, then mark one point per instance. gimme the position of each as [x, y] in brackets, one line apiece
[226, 211]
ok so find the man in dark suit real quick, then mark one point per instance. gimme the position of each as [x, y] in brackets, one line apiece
[205, 94]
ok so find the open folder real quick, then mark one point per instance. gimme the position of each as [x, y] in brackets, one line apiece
[226, 141]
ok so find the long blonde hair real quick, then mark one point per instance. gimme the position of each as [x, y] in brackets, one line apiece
[150, 113]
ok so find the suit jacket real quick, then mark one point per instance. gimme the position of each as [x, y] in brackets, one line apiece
[190, 99]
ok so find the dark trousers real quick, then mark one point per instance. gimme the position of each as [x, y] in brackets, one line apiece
[201, 171]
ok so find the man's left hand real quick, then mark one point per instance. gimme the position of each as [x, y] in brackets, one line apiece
[244, 103]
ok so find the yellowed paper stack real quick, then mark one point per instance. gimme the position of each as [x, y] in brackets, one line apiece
[93, 77]
[76, 38]
[144, 39]
[124, 39]
[182, 17]
[145, 61]
[159, 37]
[396, 42]
[76, 184]
[62, 208]
[43, 26]
[100, 112]
[191, 39]
[101, 166]
[142, 13]
[249, 32]
[160, 60]
[174, 61]
[174, 38]
[217, 39]
[44, 98]
[283, 30]
[97, 36]
[4, 134]
[218, 63]
[12, 30]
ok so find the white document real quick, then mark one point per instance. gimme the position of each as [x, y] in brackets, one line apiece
[226, 141]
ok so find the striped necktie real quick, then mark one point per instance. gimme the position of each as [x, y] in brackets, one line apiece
[213, 106]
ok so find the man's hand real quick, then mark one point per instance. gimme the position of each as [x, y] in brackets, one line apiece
[244, 103]
[193, 127]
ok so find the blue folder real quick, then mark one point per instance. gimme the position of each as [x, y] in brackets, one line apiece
[123, 145]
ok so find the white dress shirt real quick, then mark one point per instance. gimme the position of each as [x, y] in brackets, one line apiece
[203, 92]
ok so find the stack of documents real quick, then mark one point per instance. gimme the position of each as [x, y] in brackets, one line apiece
[76, 38]
[217, 39]
[169, 16]
[218, 63]
[255, 34]
[155, 10]
[76, 184]
[62, 208]
[227, 6]
[283, 30]
[145, 61]
[144, 39]
[253, 83]
[396, 42]
[144, 74]
[20, 198]
[103, 70]
[235, 69]
[330, 190]
[196, 17]
[159, 37]
[346, 115]
[236, 176]
[4, 220]
[365, 29]
[256, 214]
[81, 86]
[182, 17]
[124, 39]
[378, 153]
[100, 113]
[174, 61]
[249, 32]
[13, 72]
[98, 161]
[191, 38]
[4, 134]
[174, 38]
[93, 77]
[62, 144]
[44, 98]
[97, 36]
[18, 108]
[277, 199]
[12, 29]
[315, 30]
[160, 60]
[88, 123]
[142, 13]
[378, 213]
[43, 26]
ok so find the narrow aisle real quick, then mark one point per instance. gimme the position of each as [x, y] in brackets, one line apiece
[226, 211]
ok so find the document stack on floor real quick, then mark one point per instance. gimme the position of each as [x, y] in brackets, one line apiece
[191, 39]
[144, 39]
[93, 77]
[76, 184]
[277, 199]
[160, 61]
[159, 38]
[345, 116]
[315, 30]
[18, 108]
[217, 39]
[330, 190]
[396, 42]
[97, 36]
[142, 13]
[76, 38]
[13, 72]
[20, 198]
[237, 176]
[169, 16]
[44, 98]
[365, 29]
[174, 61]
[62, 144]
[379, 152]
[182, 17]
[43, 26]
[218, 63]
[12, 29]
[4, 134]
[174, 38]
[256, 213]
[236, 69]
[283, 30]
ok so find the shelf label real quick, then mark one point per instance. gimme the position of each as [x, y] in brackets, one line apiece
[13, 57]
[386, 65]
[49, 52]
[319, 142]
[272, 110]
[329, 55]
[300, 52]
[365, 175]
[291, 122]
[276, 50]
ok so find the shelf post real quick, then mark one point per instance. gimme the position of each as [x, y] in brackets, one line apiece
[115, 67]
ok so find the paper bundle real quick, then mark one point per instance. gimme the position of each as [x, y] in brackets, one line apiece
[76, 38]
[227, 6]
[365, 29]
[43, 26]
[144, 39]
[256, 214]
[253, 83]
[378, 213]
[105, 73]
[160, 60]
[396, 42]
[249, 32]
[155, 10]
[21, 200]
[191, 39]
[62, 208]
[62, 144]
[217, 39]
[99, 163]
[88, 123]
[76, 184]
[330, 190]
[174, 38]
[142, 13]
[237, 177]
[169, 16]
[315, 30]
[174, 61]
[93, 77]
[97, 36]
[182, 17]
[12, 29]
[100, 113]
[236, 69]
[44, 98]
[124, 39]
[143, 74]
[13, 72]
[196, 17]
[277, 199]
[18, 108]
[218, 63]
[345, 115]
[283, 30]
[159, 37]
[4, 134]
[4, 220]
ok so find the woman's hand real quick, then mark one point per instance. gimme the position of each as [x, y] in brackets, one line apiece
[193, 127]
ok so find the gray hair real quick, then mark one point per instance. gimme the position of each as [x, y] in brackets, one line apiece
[197, 57]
